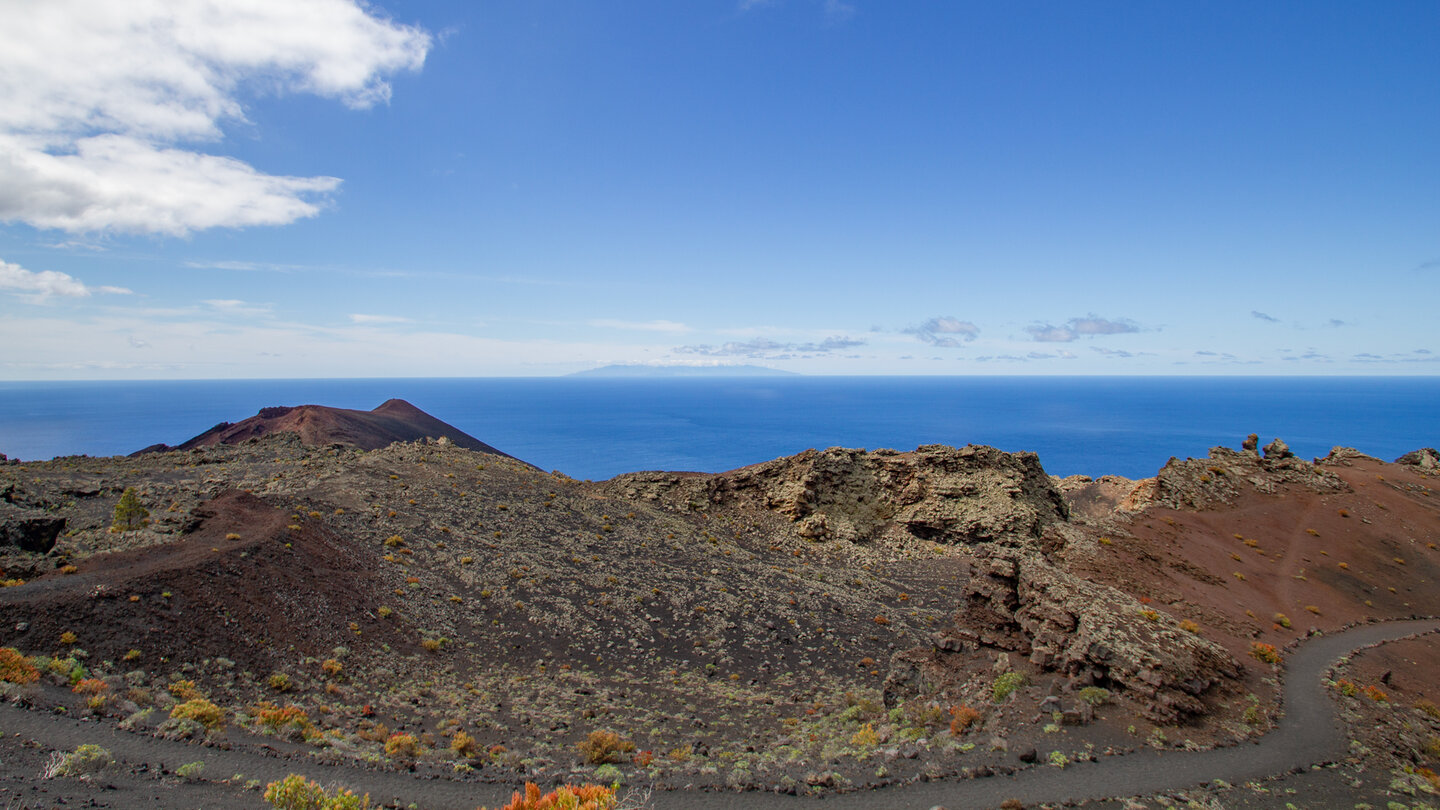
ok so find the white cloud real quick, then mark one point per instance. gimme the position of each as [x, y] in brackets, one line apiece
[1076, 328]
[43, 284]
[640, 326]
[366, 319]
[97, 98]
[941, 331]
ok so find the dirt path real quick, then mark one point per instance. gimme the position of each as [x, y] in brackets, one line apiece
[1309, 733]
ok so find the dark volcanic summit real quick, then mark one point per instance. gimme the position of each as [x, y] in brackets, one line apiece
[317, 425]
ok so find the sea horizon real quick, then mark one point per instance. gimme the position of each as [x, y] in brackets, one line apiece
[600, 427]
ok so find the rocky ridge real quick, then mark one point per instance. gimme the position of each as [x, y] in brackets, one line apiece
[954, 496]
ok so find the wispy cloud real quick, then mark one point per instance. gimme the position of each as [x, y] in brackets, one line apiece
[43, 284]
[946, 332]
[764, 348]
[361, 318]
[233, 306]
[89, 150]
[1258, 315]
[1433, 264]
[1121, 353]
[1076, 328]
[245, 267]
[639, 326]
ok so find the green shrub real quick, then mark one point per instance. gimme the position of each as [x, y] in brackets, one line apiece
[83, 761]
[200, 711]
[1005, 685]
[129, 514]
[295, 792]
[1095, 695]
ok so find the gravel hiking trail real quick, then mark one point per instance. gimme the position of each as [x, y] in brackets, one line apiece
[1308, 733]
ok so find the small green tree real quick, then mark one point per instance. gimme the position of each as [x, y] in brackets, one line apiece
[129, 514]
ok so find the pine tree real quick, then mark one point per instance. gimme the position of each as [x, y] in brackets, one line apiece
[129, 514]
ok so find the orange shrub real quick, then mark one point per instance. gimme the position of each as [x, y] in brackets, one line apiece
[583, 797]
[604, 746]
[16, 668]
[274, 718]
[1264, 652]
[402, 745]
[962, 718]
[463, 745]
[90, 686]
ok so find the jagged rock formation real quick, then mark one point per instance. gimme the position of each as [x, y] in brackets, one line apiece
[950, 495]
[1018, 601]
[1198, 483]
[1426, 458]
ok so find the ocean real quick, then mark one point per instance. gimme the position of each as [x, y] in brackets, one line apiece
[597, 428]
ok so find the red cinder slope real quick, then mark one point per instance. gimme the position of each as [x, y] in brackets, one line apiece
[394, 421]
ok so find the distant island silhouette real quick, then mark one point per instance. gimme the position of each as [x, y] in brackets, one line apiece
[682, 371]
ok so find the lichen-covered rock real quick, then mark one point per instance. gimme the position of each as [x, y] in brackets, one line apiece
[1198, 483]
[1344, 457]
[1426, 458]
[1277, 449]
[944, 494]
[1019, 601]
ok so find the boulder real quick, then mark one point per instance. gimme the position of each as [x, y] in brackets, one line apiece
[1278, 449]
[1251, 443]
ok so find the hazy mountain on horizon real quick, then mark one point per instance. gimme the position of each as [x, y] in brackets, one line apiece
[637, 370]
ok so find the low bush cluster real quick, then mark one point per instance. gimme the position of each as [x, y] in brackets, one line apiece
[603, 747]
[295, 792]
[565, 797]
[16, 668]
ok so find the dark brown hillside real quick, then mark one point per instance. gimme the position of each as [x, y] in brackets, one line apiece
[839, 619]
[395, 420]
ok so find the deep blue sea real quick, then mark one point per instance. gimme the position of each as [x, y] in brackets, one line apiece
[596, 428]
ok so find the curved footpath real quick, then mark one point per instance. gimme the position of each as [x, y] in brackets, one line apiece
[1307, 734]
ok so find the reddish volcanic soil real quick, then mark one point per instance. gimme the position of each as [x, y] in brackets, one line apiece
[395, 420]
[742, 635]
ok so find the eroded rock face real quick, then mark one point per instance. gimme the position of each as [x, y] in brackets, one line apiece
[1197, 483]
[29, 529]
[949, 495]
[1017, 600]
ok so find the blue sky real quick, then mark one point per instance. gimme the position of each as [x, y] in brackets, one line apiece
[271, 188]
